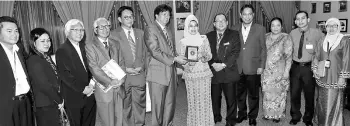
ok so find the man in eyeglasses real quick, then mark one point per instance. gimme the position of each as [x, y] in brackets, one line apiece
[135, 53]
[73, 70]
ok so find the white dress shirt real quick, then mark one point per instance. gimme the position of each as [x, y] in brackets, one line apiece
[245, 31]
[103, 41]
[131, 33]
[77, 48]
[22, 85]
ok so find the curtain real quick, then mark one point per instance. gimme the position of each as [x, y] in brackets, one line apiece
[139, 21]
[147, 9]
[35, 14]
[207, 11]
[6, 8]
[86, 11]
[282, 9]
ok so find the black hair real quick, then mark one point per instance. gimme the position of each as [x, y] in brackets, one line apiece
[276, 18]
[220, 14]
[7, 19]
[299, 12]
[247, 6]
[34, 35]
[162, 8]
[122, 8]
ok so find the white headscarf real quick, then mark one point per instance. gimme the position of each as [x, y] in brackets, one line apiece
[189, 39]
[334, 39]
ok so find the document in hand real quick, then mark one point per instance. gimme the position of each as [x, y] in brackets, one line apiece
[321, 69]
[113, 71]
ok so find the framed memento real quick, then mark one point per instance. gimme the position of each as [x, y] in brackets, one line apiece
[183, 6]
[343, 25]
[180, 23]
[322, 26]
[326, 7]
[343, 6]
[192, 53]
[313, 8]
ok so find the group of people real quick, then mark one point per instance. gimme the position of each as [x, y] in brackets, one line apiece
[235, 62]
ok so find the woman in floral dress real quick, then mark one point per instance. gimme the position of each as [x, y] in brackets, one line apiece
[275, 78]
[197, 75]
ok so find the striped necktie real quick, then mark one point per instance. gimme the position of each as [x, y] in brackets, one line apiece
[132, 44]
[167, 39]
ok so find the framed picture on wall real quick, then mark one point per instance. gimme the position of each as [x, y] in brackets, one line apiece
[321, 25]
[326, 7]
[180, 23]
[313, 8]
[343, 25]
[343, 6]
[183, 6]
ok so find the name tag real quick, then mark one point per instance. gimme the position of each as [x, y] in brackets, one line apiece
[309, 46]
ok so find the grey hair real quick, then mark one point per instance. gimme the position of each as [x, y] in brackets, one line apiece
[69, 25]
[100, 19]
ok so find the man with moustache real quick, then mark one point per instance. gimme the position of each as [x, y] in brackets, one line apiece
[73, 69]
[15, 106]
[301, 77]
[225, 46]
[136, 57]
[161, 72]
[251, 63]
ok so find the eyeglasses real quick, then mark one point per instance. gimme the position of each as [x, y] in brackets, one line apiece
[78, 30]
[331, 26]
[128, 17]
[101, 27]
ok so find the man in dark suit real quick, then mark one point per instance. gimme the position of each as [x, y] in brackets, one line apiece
[73, 70]
[161, 72]
[225, 45]
[135, 53]
[251, 63]
[98, 52]
[15, 106]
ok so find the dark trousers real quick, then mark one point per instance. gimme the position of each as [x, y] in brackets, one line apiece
[301, 79]
[47, 116]
[229, 90]
[347, 95]
[84, 115]
[248, 85]
[22, 114]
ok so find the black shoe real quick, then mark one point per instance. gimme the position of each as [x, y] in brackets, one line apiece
[240, 119]
[308, 123]
[252, 122]
[293, 122]
[230, 123]
[276, 120]
[217, 120]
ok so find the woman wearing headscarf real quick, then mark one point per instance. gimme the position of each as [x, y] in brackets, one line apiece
[197, 74]
[331, 68]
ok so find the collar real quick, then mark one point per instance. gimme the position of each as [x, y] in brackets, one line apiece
[14, 48]
[74, 43]
[249, 25]
[161, 26]
[307, 29]
[126, 31]
[102, 40]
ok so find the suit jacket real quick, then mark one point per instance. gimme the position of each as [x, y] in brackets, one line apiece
[161, 68]
[228, 54]
[8, 86]
[253, 51]
[141, 54]
[72, 72]
[44, 82]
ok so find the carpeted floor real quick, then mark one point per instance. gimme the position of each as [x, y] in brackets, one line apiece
[181, 111]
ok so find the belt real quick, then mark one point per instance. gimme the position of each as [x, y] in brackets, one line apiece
[302, 63]
[20, 97]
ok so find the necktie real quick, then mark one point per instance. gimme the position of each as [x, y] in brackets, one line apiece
[218, 42]
[167, 39]
[300, 51]
[107, 48]
[132, 44]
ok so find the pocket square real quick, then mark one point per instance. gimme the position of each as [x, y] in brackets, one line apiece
[227, 43]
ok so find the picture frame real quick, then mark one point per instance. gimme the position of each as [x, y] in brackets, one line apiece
[343, 25]
[313, 8]
[183, 6]
[180, 23]
[326, 7]
[343, 6]
[322, 26]
[192, 53]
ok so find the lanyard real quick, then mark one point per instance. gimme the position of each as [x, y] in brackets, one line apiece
[329, 48]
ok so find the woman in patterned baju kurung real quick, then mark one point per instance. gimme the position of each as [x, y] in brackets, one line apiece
[275, 78]
[197, 76]
[334, 47]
